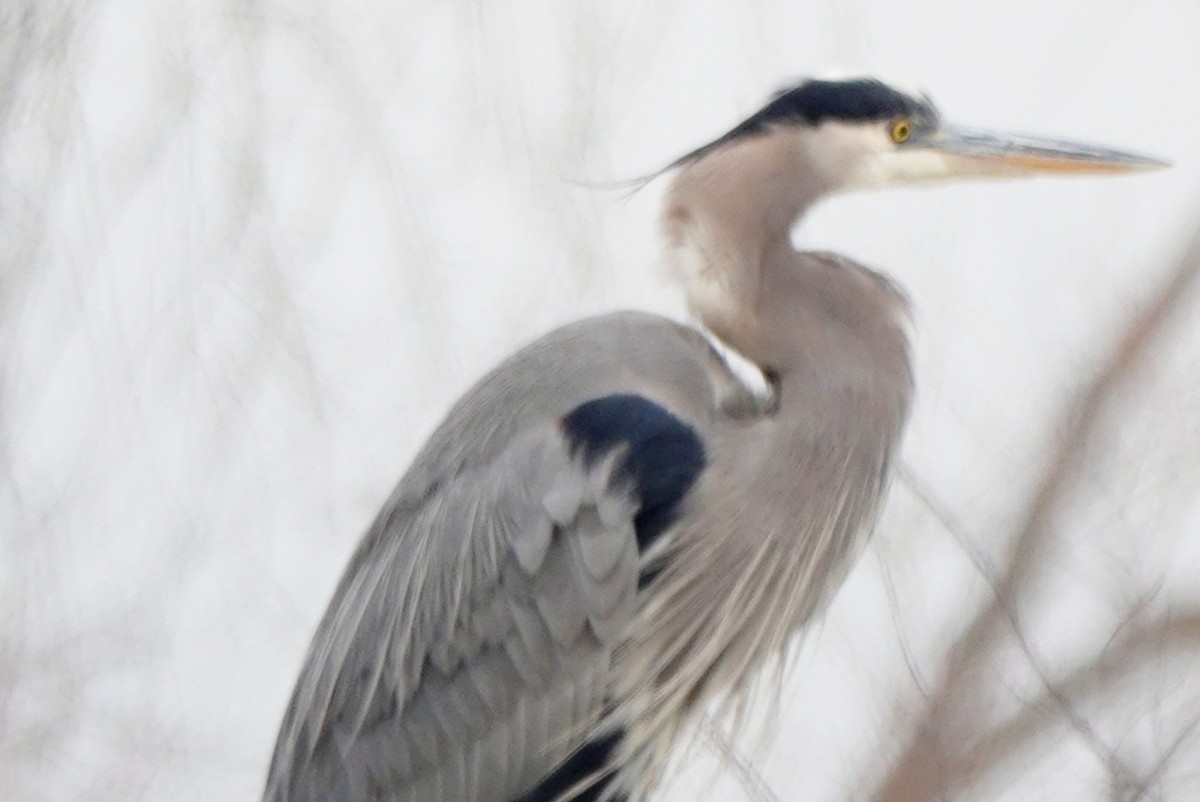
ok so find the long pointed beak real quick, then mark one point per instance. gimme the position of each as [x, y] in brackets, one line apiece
[979, 152]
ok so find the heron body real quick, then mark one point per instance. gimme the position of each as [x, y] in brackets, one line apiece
[610, 530]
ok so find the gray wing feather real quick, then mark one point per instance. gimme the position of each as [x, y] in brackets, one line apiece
[564, 611]
[484, 538]
[462, 655]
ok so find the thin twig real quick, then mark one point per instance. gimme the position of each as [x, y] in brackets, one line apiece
[1160, 768]
[915, 774]
[743, 771]
[1097, 678]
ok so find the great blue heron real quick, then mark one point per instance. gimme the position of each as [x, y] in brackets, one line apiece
[610, 529]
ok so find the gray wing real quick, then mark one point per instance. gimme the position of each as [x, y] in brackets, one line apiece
[465, 652]
[464, 649]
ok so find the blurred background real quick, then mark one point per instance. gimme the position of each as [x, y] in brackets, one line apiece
[251, 251]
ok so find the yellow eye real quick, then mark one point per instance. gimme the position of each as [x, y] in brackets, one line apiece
[901, 130]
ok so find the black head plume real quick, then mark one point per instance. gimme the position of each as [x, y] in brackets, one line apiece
[814, 101]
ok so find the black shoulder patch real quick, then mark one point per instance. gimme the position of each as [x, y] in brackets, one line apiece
[589, 760]
[665, 454]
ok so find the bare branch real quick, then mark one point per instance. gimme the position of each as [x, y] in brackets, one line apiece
[917, 773]
[1141, 647]
[1155, 774]
[744, 772]
[1082, 426]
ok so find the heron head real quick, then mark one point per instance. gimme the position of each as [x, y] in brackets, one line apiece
[862, 133]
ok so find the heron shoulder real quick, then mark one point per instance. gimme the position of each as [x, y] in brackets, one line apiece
[482, 614]
[628, 352]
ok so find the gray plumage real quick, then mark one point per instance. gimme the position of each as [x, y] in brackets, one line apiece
[506, 634]
[511, 601]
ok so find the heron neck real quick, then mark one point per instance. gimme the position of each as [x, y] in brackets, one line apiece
[727, 221]
[798, 316]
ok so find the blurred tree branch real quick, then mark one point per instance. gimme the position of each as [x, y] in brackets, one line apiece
[950, 748]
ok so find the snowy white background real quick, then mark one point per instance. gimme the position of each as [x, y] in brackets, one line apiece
[250, 252]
